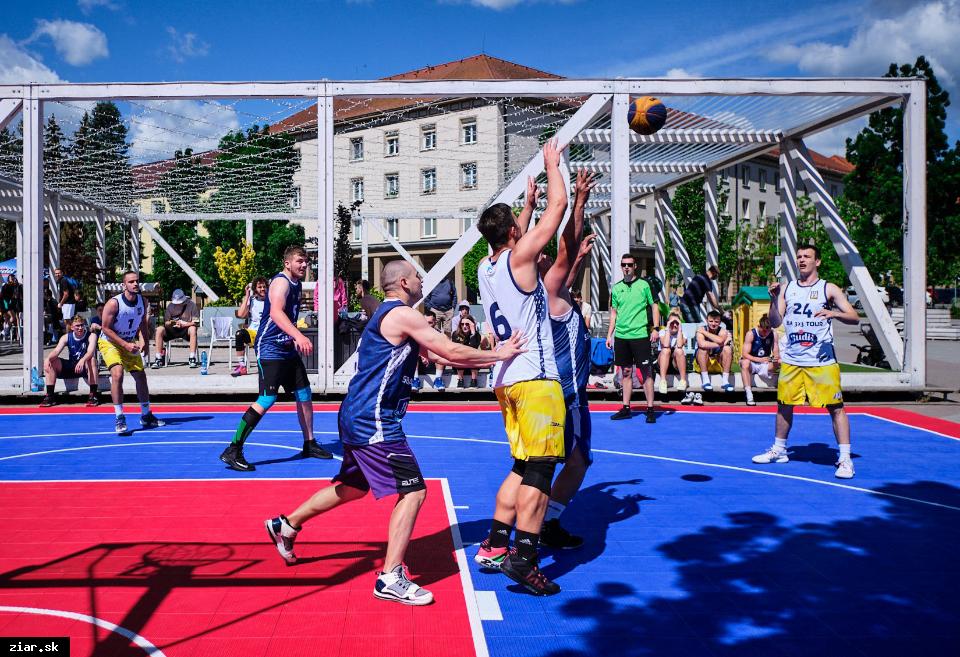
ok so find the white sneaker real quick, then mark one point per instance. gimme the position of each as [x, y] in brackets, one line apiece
[773, 455]
[397, 587]
[681, 385]
[697, 399]
[688, 398]
[283, 535]
[662, 386]
[844, 469]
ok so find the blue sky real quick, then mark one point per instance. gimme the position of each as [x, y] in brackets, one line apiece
[124, 40]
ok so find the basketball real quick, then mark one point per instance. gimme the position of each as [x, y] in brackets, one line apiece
[646, 115]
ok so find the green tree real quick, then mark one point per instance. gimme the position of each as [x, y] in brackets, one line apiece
[342, 252]
[810, 230]
[11, 158]
[688, 206]
[874, 191]
[54, 150]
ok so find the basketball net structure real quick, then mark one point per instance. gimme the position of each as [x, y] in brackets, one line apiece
[713, 124]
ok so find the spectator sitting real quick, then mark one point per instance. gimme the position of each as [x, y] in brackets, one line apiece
[760, 356]
[714, 351]
[368, 302]
[179, 321]
[441, 302]
[671, 357]
[467, 334]
[463, 311]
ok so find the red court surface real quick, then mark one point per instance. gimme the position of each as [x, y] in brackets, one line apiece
[185, 569]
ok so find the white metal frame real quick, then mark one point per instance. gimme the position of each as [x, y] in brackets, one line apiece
[876, 94]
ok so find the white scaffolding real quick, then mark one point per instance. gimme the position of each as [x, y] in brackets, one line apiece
[719, 123]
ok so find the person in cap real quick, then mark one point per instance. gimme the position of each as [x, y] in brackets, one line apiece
[180, 320]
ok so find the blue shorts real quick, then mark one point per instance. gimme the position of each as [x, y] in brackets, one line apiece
[578, 431]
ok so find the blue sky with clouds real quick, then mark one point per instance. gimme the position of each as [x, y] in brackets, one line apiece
[127, 40]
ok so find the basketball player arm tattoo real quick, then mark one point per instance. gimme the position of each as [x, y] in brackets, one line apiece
[530, 246]
[844, 311]
[529, 204]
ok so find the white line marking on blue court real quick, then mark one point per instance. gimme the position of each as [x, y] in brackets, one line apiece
[461, 506]
[167, 442]
[147, 647]
[489, 606]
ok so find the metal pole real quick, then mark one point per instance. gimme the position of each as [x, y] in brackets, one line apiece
[325, 222]
[31, 268]
[248, 234]
[53, 244]
[915, 233]
[101, 233]
[659, 248]
[620, 179]
[788, 215]
[134, 245]
[364, 249]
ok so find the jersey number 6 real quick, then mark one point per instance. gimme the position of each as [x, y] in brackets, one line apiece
[501, 327]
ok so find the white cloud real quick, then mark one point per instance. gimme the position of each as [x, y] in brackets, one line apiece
[681, 73]
[499, 5]
[931, 29]
[86, 6]
[185, 45]
[18, 66]
[161, 127]
[78, 43]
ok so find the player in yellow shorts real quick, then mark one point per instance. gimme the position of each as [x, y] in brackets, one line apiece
[113, 355]
[533, 416]
[809, 372]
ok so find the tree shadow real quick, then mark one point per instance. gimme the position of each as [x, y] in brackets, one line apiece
[882, 584]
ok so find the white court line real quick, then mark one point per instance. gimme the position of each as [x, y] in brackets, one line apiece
[910, 426]
[147, 647]
[161, 442]
[156, 431]
[489, 606]
[469, 594]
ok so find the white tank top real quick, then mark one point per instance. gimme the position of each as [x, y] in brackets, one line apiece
[809, 339]
[509, 308]
[127, 322]
[256, 312]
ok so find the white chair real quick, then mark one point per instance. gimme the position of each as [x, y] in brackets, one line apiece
[222, 329]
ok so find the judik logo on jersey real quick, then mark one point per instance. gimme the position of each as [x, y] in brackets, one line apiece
[803, 338]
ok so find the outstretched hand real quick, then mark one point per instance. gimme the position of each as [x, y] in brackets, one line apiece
[586, 181]
[551, 153]
[586, 245]
[512, 346]
[533, 192]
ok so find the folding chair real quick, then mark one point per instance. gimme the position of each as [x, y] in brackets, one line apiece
[221, 332]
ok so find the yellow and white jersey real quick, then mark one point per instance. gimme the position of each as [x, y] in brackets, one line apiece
[127, 322]
[809, 338]
[508, 308]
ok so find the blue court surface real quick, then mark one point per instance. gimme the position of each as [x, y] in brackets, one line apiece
[691, 549]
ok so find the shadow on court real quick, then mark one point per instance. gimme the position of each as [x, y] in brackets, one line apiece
[878, 585]
[816, 453]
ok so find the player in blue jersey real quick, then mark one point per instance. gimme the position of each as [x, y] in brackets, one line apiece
[279, 344]
[81, 346]
[376, 455]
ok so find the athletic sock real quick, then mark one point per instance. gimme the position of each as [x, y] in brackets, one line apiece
[118, 409]
[780, 443]
[499, 534]
[749, 392]
[526, 544]
[242, 362]
[193, 354]
[554, 509]
[50, 390]
[704, 378]
[844, 452]
[144, 408]
[94, 387]
[247, 424]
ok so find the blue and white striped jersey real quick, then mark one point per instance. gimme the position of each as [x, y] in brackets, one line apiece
[273, 343]
[379, 392]
[572, 344]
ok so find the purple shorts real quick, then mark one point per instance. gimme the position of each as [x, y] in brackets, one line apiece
[388, 468]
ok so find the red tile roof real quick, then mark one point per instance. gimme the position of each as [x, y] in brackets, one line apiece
[834, 163]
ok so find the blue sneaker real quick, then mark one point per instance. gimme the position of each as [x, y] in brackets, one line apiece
[438, 384]
[727, 387]
[416, 384]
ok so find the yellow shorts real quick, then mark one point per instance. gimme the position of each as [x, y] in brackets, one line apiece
[253, 335]
[713, 365]
[533, 415]
[114, 355]
[818, 386]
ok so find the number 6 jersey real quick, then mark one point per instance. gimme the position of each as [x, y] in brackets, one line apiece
[809, 338]
[509, 308]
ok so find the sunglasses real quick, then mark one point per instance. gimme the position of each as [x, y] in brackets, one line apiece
[628, 264]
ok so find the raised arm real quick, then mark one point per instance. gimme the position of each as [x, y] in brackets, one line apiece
[556, 281]
[524, 257]
[243, 311]
[777, 305]
[529, 205]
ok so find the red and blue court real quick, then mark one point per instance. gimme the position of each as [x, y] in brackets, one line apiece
[147, 545]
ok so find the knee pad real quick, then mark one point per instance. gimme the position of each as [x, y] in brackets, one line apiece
[539, 475]
[266, 401]
[519, 467]
[302, 395]
[240, 337]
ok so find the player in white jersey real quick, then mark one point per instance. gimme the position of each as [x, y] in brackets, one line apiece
[527, 386]
[251, 309]
[124, 319]
[809, 371]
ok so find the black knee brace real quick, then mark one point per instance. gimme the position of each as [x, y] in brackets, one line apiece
[539, 475]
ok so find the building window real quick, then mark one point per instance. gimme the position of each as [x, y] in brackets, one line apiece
[356, 149]
[429, 228]
[745, 176]
[158, 207]
[833, 191]
[468, 175]
[392, 144]
[763, 180]
[429, 181]
[393, 227]
[776, 180]
[296, 198]
[468, 221]
[468, 131]
[745, 209]
[357, 234]
[641, 229]
[356, 185]
[762, 209]
[428, 136]
[391, 186]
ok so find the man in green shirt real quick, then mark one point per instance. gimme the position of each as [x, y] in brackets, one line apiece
[632, 316]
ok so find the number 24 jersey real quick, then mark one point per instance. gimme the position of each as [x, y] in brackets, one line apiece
[809, 338]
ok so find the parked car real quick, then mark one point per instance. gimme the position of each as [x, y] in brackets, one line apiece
[858, 304]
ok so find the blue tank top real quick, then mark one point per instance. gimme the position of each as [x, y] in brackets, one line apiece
[77, 348]
[761, 347]
[272, 343]
[572, 344]
[379, 392]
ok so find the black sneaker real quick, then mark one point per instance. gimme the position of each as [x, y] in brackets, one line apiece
[155, 365]
[151, 421]
[651, 416]
[623, 414]
[193, 363]
[47, 401]
[121, 424]
[312, 448]
[528, 575]
[553, 535]
[233, 457]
